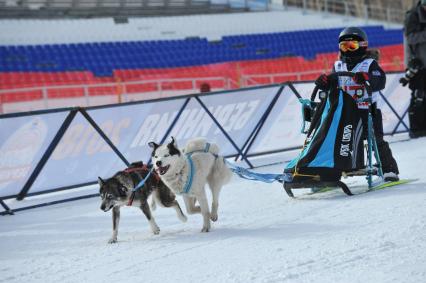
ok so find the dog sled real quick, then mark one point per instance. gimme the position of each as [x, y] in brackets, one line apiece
[334, 144]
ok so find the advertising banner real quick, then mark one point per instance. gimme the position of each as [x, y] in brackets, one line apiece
[399, 98]
[238, 113]
[282, 127]
[82, 155]
[23, 140]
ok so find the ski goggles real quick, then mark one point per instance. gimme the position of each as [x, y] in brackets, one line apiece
[352, 45]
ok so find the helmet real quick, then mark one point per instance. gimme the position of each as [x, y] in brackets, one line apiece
[353, 33]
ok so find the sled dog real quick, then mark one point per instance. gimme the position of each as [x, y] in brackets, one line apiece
[117, 192]
[187, 172]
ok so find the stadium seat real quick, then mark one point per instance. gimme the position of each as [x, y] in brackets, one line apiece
[308, 52]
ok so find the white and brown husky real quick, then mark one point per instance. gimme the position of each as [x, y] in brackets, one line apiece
[187, 172]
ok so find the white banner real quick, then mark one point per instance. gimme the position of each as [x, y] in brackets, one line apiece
[82, 155]
[23, 140]
[399, 98]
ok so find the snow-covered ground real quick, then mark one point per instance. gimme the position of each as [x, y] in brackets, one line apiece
[261, 236]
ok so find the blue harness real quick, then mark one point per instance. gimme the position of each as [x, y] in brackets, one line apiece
[141, 183]
[240, 171]
[248, 175]
[188, 184]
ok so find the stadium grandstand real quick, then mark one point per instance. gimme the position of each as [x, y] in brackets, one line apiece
[81, 53]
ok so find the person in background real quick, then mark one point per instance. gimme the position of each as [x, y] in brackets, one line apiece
[205, 87]
[355, 57]
[415, 75]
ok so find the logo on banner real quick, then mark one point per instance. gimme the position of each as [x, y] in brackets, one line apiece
[18, 151]
[346, 139]
[81, 139]
[196, 122]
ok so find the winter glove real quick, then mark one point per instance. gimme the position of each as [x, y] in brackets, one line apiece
[307, 113]
[404, 81]
[323, 82]
[361, 77]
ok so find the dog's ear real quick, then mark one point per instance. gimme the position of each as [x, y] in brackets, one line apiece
[153, 145]
[173, 142]
[173, 149]
[100, 181]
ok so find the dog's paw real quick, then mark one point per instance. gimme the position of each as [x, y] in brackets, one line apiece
[205, 230]
[183, 218]
[156, 231]
[213, 217]
[112, 241]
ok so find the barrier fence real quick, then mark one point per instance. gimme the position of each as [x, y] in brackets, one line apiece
[63, 149]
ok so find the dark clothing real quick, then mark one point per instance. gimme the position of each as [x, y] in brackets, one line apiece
[388, 162]
[415, 32]
[377, 78]
[418, 81]
[376, 74]
[417, 113]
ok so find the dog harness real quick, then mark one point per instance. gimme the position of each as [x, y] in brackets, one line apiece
[142, 168]
[188, 184]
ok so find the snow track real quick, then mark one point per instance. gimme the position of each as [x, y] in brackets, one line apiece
[261, 236]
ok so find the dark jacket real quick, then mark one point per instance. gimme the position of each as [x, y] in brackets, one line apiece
[376, 74]
[415, 33]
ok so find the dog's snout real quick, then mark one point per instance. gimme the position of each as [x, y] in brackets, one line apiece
[158, 163]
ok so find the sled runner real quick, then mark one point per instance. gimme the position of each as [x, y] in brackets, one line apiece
[357, 190]
[334, 144]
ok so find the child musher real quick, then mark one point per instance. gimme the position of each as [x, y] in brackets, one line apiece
[356, 58]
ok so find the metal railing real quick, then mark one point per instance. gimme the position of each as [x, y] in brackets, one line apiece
[150, 89]
[121, 91]
[252, 80]
[258, 79]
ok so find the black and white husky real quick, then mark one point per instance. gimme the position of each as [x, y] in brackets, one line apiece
[188, 171]
[117, 192]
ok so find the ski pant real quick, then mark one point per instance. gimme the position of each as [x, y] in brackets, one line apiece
[385, 153]
[417, 113]
[417, 109]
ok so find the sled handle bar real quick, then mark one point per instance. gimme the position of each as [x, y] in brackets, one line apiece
[337, 75]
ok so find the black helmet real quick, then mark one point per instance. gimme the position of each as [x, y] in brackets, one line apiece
[353, 33]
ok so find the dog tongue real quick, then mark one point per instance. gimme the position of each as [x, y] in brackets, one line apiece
[163, 169]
